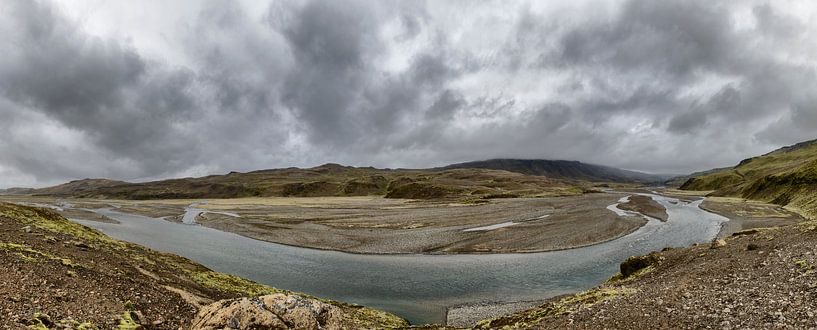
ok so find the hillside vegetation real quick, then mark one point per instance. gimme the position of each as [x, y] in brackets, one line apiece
[328, 180]
[787, 176]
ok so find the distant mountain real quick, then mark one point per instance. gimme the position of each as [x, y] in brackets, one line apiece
[78, 187]
[786, 176]
[564, 169]
[16, 191]
[680, 180]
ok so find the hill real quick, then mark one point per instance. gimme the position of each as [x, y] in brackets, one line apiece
[16, 191]
[787, 176]
[680, 180]
[78, 187]
[564, 169]
[327, 180]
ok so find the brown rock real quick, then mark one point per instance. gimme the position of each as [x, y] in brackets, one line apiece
[276, 311]
[636, 263]
[718, 243]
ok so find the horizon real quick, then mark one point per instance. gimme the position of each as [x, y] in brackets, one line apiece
[149, 91]
[345, 165]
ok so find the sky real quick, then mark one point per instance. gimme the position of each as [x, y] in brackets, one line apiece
[142, 90]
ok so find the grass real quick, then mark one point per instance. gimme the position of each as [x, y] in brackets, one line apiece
[230, 283]
[51, 221]
[128, 323]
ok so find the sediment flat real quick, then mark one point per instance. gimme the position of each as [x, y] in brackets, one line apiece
[384, 226]
[375, 225]
[646, 206]
[747, 214]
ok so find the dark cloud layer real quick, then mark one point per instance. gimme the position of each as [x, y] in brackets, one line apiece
[660, 86]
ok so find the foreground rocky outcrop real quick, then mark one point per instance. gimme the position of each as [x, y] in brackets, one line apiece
[276, 311]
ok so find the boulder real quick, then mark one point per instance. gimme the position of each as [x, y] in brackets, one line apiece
[718, 243]
[633, 264]
[276, 311]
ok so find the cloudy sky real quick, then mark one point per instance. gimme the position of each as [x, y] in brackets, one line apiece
[140, 90]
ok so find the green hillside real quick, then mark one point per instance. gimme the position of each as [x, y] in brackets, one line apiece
[787, 176]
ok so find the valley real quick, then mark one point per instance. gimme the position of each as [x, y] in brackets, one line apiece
[436, 245]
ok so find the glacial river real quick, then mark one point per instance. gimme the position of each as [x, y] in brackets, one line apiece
[416, 287]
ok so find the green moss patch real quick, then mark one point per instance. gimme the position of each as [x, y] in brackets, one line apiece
[29, 254]
[230, 283]
[51, 221]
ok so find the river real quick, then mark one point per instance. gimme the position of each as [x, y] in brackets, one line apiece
[417, 287]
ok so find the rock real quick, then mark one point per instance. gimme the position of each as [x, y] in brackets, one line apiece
[636, 263]
[79, 244]
[718, 243]
[26, 229]
[276, 311]
[746, 232]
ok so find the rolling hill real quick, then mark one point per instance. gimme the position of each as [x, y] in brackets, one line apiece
[328, 180]
[680, 180]
[564, 169]
[16, 191]
[787, 176]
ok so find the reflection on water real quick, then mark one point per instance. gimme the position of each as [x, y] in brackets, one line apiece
[417, 287]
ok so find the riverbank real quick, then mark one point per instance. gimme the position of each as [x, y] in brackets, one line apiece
[746, 214]
[759, 279]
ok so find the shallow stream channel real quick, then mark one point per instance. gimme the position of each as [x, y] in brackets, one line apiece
[419, 288]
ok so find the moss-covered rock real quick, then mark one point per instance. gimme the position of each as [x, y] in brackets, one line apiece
[636, 264]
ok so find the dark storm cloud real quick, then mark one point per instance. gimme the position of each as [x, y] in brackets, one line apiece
[242, 86]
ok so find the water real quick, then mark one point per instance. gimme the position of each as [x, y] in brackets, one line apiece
[492, 227]
[416, 287]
